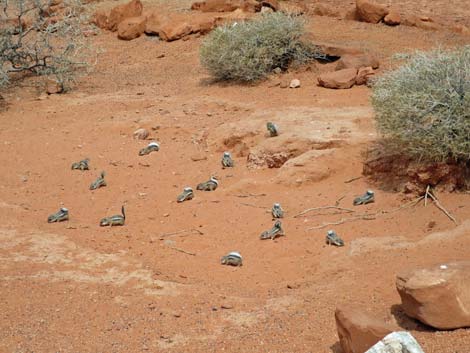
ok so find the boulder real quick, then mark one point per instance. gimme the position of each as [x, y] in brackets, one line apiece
[121, 12]
[370, 12]
[154, 21]
[393, 18]
[358, 331]
[356, 62]
[397, 342]
[132, 28]
[100, 19]
[363, 75]
[340, 79]
[227, 5]
[438, 296]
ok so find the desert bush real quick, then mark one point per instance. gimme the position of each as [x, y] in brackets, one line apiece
[248, 51]
[423, 107]
[35, 40]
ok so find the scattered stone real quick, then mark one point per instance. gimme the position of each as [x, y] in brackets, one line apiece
[141, 134]
[132, 28]
[397, 342]
[363, 75]
[370, 12]
[358, 331]
[357, 61]
[393, 18]
[121, 12]
[341, 79]
[100, 19]
[438, 296]
[295, 83]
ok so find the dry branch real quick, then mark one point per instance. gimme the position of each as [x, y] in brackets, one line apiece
[347, 210]
[192, 230]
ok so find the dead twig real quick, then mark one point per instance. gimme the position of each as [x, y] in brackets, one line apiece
[426, 196]
[365, 217]
[192, 230]
[251, 205]
[439, 206]
[352, 179]
[339, 200]
[249, 195]
[183, 251]
[347, 210]
[406, 205]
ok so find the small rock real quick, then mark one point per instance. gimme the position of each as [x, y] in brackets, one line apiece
[436, 296]
[198, 157]
[341, 79]
[363, 75]
[226, 306]
[358, 331]
[393, 18]
[295, 83]
[53, 87]
[370, 12]
[397, 342]
[132, 27]
[121, 12]
[141, 134]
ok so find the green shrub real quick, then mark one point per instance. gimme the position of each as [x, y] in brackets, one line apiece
[423, 107]
[248, 51]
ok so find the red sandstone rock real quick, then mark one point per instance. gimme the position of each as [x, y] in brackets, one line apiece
[438, 296]
[341, 79]
[358, 331]
[370, 12]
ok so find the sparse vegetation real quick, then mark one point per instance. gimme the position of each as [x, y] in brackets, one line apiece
[423, 107]
[36, 40]
[248, 51]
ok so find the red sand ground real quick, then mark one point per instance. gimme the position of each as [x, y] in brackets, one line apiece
[76, 287]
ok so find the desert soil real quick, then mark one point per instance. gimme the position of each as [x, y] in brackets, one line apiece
[156, 284]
